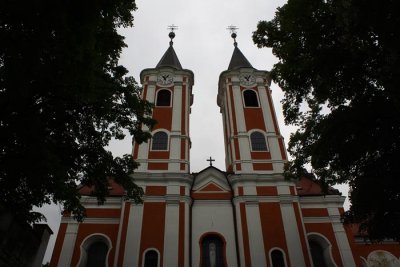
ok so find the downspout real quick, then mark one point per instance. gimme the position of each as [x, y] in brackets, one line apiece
[190, 223]
[235, 224]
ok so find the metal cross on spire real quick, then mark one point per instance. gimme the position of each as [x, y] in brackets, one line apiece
[171, 34]
[210, 160]
[172, 27]
[233, 29]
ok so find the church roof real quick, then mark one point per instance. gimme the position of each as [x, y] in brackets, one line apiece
[307, 186]
[170, 59]
[238, 60]
[114, 189]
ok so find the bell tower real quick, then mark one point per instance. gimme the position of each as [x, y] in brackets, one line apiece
[169, 87]
[252, 138]
[160, 228]
[266, 205]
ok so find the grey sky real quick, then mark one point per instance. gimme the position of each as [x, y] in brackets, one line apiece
[204, 46]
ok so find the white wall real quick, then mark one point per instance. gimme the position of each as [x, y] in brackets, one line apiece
[213, 216]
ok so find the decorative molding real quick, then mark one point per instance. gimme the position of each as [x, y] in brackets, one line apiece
[212, 201]
[258, 199]
[322, 201]
[91, 220]
[163, 177]
[168, 199]
[324, 219]
[286, 199]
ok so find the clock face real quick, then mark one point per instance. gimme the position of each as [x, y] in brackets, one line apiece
[165, 78]
[247, 79]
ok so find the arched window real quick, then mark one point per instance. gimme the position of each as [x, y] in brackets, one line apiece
[160, 141]
[94, 251]
[151, 258]
[277, 258]
[97, 255]
[212, 249]
[250, 98]
[258, 142]
[163, 98]
[320, 249]
[317, 254]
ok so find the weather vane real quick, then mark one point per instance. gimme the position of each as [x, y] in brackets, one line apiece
[171, 35]
[233, 29]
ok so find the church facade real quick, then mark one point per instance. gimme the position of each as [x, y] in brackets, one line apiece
[248, 215]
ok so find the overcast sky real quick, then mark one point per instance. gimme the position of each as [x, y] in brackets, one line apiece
[203, 45]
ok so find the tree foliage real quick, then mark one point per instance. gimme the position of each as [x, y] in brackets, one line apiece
[339, 68]
[63, 97]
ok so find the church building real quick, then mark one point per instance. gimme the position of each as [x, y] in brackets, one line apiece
[246, 215]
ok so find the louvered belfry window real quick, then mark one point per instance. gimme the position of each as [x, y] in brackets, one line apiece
[258, 142]
[160, 141]
[250, 98]
[163, 98]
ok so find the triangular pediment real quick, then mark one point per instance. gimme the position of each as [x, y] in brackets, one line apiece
[211, 184]
[211, 187]
[211, 180]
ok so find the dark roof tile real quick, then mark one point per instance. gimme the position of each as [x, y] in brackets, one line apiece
[169, 59]
[238, 60]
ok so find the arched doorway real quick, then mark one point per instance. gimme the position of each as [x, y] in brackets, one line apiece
[212, 251]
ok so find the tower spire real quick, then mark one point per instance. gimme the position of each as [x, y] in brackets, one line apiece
[238, 60]
[170, 58]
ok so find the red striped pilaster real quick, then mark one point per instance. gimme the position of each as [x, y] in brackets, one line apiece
[181, 251]
[245, 234]
[124, 230]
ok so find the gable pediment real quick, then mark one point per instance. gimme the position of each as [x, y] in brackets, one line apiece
[211, 183]
[209, 180]
[211, 187]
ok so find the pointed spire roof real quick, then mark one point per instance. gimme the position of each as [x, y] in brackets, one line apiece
[170, 59]
[238, 60]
